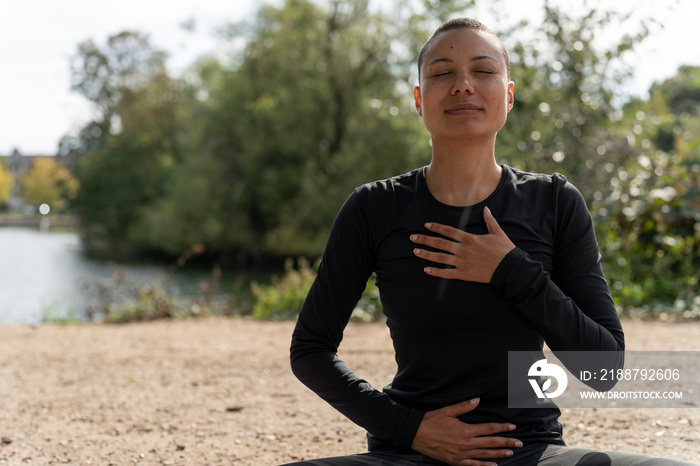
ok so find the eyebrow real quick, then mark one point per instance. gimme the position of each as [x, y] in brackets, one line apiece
[449, 60]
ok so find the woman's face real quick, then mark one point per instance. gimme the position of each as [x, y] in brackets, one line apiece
[464, 90]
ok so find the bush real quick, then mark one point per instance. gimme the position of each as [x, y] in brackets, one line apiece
[369, 308]
[284, 298]
[120, 300]
[649, 231]
[152, 303]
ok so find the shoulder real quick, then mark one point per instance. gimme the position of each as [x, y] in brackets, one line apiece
[388, 190]
[377, 198]
[525, 179]
[370, 207]
[541, 184]
[395, 184]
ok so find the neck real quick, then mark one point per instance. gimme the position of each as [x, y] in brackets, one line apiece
[464, 174]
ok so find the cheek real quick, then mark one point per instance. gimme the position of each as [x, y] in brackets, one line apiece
[501, 101]
[429, 99]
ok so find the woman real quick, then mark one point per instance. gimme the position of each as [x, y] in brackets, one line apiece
[473, 259]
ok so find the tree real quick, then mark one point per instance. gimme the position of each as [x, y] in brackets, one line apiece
[7, 183]
[105, 75]
[252, 154]
[682, 92]
[128, 153]
[48, 182]
[132, 169]
[649, 225]
[564, 118]
[305, 112]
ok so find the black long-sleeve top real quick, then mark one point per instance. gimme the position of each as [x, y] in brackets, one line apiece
[451, 337]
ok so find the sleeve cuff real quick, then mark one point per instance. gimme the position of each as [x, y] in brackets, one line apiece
[409, 430]
[507, 268]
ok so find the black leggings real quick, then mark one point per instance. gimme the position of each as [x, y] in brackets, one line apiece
[534, 455]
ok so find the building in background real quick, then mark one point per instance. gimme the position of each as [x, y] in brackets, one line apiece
[20, 164]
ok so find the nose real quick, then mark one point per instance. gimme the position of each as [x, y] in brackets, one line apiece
[462, 84]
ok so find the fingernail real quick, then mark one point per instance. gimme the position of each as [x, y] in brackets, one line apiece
[474, 401]
[428, 226]
[518, 444]
[509, 453]
[511, 427]
[427, 270]
[416, 252]
[414, 237]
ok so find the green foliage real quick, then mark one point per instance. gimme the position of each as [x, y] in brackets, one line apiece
[306, 124]
[106, 75]
[652, 239]
[284, 298]
[251, 155]
[682, 93]
[49, 315]
[369, 308]
[152, 303]
[7, 183]
[125, 298]
[565, 118]
[649, 226]
[236, 154]
[129, 156]
[48, 182]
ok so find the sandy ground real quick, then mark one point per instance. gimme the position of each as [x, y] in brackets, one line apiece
[220, 392]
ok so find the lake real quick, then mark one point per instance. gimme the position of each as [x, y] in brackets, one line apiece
[44, 276]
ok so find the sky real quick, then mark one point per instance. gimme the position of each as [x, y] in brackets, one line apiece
[39, 37]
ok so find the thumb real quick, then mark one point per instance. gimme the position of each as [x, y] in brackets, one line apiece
[491, 222]
[460, 408]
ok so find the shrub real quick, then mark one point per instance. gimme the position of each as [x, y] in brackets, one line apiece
[151, 303]
[649, 231]
[284, 298]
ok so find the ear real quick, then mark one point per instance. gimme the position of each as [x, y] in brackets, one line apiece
[416, 98]
[511, 98]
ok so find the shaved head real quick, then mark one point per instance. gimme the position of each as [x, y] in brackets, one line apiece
[465, 23]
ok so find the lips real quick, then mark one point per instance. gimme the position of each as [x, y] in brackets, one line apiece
[463, 108]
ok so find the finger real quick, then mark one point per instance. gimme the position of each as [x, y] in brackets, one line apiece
[482, 453]
[460, 408]
[490, 428]
[446, 230]
[471, 462]
[492, 441]
[476, 463]
[491, 222]
[476, 454]
[437, 257]
[436, 243]
[441, 273]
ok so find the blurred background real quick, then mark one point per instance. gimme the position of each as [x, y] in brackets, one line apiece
[161, 158]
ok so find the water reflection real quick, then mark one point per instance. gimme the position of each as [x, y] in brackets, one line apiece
[44, 276]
